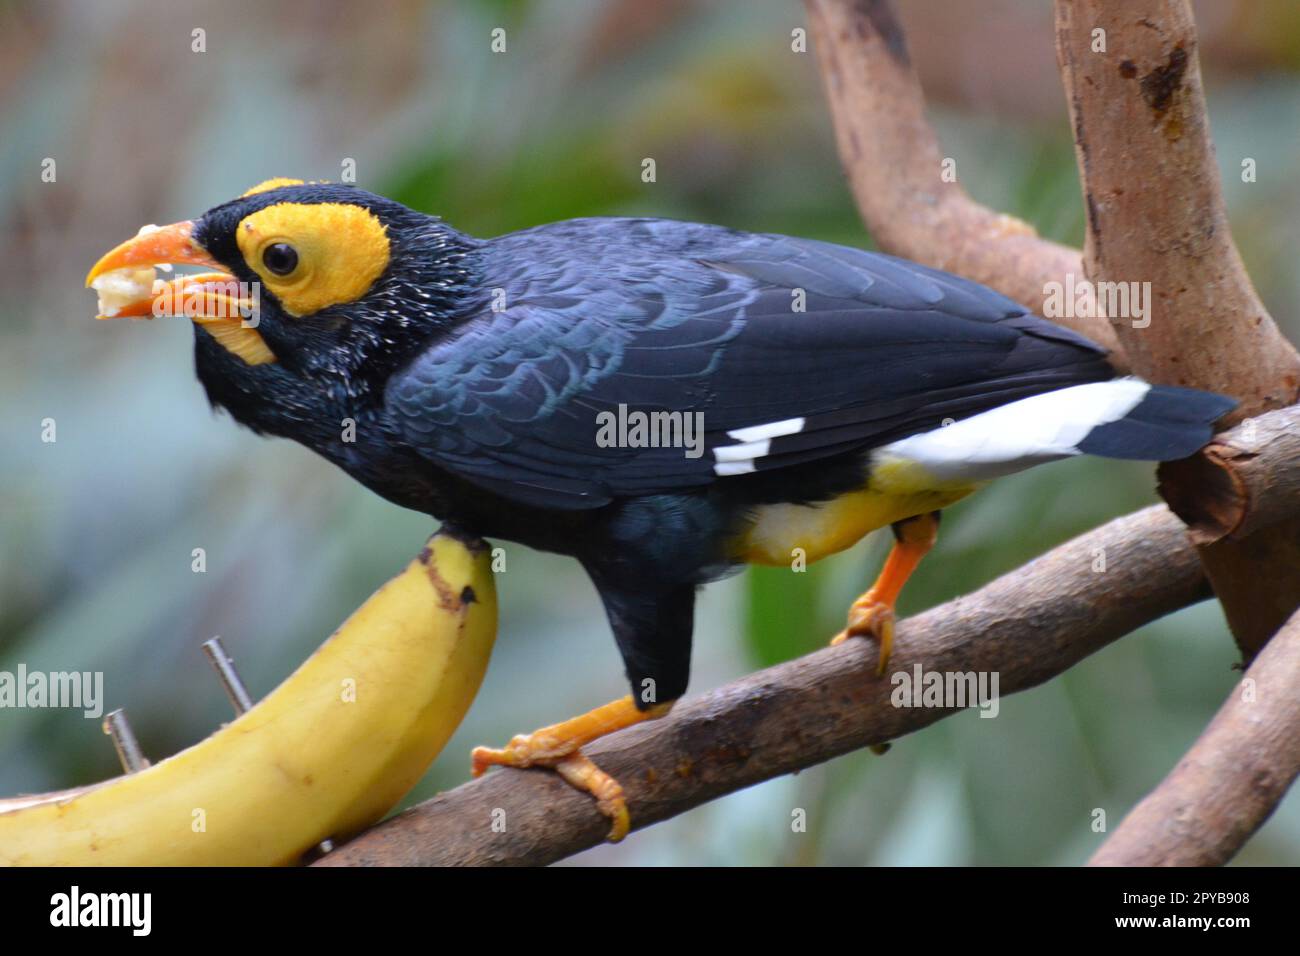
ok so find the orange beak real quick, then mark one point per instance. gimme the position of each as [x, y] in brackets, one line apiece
[172, 244]
[225, 307]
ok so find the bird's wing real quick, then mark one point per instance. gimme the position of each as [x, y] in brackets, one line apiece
[783, 350]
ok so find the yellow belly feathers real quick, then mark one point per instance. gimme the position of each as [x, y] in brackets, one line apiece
[897, 489]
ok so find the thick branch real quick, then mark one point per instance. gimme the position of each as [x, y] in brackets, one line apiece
[1155, 209]
[895, 168]
[1027, 626]
[1228, 784]
[1156, 216]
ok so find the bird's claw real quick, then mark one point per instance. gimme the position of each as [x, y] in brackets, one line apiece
[577, 769]
[522, 751]
[869, 617]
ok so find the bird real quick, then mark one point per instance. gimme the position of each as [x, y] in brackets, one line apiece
[663, 401]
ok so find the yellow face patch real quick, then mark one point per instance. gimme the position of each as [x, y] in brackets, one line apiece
[340, 251]
[276, 183]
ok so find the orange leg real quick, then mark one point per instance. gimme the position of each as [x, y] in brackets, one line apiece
[872, 614]
[557, 746]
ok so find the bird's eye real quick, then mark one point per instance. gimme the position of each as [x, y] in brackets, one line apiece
[281, 258]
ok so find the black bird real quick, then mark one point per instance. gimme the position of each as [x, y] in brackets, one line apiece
[664, 401]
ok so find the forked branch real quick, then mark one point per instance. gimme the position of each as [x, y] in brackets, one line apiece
[1157, 221]
[896, 169]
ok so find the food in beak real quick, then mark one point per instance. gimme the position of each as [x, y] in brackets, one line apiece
[121, 287]
[127, 284]
[118, 288]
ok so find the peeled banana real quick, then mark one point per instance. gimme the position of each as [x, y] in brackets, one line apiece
[325, 754]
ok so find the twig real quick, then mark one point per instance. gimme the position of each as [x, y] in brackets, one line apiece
[1228, 784]
[894, 166]
[1027, 626]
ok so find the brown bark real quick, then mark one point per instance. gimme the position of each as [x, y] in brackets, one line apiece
[1227, 785]
[894, 166]
[1155, 209]
[1028, 626]
[1156, 215]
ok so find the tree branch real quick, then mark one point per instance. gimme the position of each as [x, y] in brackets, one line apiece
[1156, 216]
[1027, 626]
[1155, 209]
[1243, 481]
[894, 166]
[1228, 784]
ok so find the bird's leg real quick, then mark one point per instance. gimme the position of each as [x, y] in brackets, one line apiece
[558, 747]
[872, 614]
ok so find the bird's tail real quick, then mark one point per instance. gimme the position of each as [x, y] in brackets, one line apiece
[1167, 423]
[1119, 418]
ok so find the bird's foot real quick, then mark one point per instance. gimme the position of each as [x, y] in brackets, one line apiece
[871, 617]
[872, 614]
[559, 748]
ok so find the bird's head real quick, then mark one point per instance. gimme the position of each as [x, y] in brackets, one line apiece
[307, 285]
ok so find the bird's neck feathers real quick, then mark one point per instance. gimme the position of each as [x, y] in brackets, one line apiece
[336, 363]
[357, 346]
[269, 399]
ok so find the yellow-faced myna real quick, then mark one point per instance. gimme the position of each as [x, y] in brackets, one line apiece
[664, 401]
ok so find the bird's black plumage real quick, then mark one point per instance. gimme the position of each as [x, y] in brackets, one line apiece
[656, 315]
[475, 371]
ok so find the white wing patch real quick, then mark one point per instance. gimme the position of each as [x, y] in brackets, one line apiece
[1018, 435]
[755, 442]
[746, 452]
[789, 426]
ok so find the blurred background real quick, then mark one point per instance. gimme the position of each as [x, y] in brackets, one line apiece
[97, 529]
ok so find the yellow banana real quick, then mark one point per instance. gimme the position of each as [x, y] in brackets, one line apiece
[325, 754]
